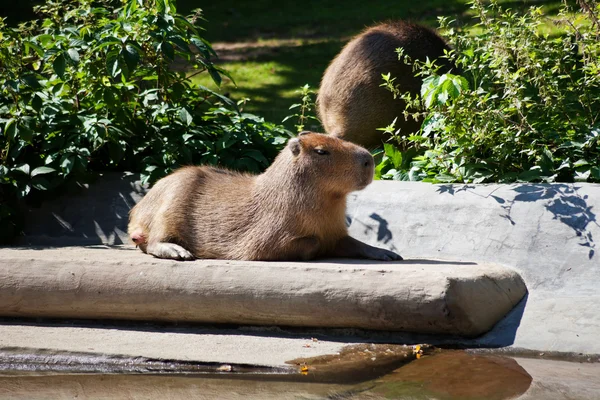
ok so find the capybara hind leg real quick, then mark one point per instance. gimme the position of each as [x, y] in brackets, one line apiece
[169, 250]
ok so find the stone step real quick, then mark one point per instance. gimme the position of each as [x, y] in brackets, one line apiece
[121, 283]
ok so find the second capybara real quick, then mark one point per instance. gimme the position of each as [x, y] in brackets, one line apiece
[352, 105]
[295, 210]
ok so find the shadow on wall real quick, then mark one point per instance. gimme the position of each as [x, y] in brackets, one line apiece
[563, 201]
[98, 214]
[380, 228]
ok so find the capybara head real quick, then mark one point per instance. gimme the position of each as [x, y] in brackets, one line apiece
[334, 164]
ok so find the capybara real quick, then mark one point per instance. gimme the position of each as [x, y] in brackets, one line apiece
[295, 210]
[352, 105]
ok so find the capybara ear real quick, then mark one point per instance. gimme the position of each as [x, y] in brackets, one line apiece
[304, 133]
[294, 145]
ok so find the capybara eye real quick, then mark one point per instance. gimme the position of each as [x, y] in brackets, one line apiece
[321, 152]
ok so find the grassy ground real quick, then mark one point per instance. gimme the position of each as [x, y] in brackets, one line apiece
[271, 51]
[273, 48]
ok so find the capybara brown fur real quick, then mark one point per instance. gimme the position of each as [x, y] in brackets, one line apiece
[352, 105]
[295, 210]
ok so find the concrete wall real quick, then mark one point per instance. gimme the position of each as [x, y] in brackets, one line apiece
[548, 233]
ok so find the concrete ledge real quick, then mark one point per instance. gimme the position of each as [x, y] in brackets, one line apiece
[548, 233]
[425, 296]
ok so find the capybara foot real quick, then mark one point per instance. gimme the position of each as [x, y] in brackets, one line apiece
[169, 250]
[375, 253]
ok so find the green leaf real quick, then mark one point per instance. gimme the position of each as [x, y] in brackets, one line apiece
[582, 176]
[532, 175]
[77, 43]
[10, 129]
[23, 168]
[451, 90]
[224, 99]
[131, 56]
[112, 63]
[459, 82]
[167, 50]
[185, 116]
[381, 167]
[246, 164]
[25, 134]
[41, 171]
[40, 183]
[546, 161]
[67, 164]
[45, 40]
[24, 190]
[179, 42]
[108, 42]
[59, 65]
[31, 81]
[214, 74]
[74, 55]
[428, 84]
[257, 155]
[38, 49]
[394, 154]
[446, 178]
[201, 46]
[161, 6]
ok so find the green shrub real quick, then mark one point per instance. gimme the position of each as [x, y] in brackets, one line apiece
[97, 85]
[305, 110]
[526, 108]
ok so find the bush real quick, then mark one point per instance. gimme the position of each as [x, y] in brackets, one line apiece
[526, 108]
[92, 86]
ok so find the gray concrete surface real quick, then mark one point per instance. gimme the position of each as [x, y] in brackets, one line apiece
[202, 345]
[424, 296]
[548, 233]
[560, 380]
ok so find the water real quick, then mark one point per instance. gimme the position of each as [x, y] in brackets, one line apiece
[362, 372]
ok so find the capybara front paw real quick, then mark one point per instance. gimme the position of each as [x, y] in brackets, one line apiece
[170, 250]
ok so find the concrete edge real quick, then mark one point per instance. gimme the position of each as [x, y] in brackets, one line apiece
[423, 296]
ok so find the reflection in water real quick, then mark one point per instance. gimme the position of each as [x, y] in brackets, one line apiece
[456, 375]
[439, 375]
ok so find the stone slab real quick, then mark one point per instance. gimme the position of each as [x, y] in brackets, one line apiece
[424, 296]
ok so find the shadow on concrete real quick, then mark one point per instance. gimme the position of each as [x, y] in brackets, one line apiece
[562, 200]
[97, 214]
[356, 261]
[503, 334]
[378, 228]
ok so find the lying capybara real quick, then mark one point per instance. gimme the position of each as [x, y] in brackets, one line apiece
[351, 103]
[295, 210]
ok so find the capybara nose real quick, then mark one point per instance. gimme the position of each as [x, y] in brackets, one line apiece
[367, 160]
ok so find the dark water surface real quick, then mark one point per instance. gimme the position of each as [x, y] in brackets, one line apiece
[361, 372]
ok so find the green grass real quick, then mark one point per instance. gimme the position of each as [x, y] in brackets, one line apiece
[270, 80]
[280, 46]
